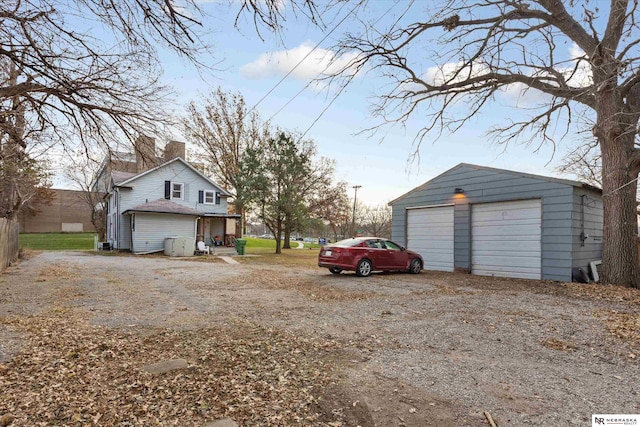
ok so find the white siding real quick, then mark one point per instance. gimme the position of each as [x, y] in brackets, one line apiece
[430, 233]
[150, 187]
[152, 229]
[506, 239]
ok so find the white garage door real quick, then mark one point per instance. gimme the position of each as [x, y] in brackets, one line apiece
[506, 239]
[430, 233]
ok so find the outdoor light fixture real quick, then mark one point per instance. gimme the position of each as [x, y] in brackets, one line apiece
[458, 190]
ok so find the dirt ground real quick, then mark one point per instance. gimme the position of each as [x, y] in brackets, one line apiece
[265, 344]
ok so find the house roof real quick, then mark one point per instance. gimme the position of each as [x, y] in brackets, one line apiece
[163, 206]
[506, 171]
[127, 182]
[119, 176]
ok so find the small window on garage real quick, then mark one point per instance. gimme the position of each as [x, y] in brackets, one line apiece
[209, 197]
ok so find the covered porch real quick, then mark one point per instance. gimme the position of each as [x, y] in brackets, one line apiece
[217, 230]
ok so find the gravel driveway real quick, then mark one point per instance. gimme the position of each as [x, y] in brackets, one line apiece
[435, 349]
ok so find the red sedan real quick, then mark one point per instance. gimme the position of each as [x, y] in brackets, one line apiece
[366, 254]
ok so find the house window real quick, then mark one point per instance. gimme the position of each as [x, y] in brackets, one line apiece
[209, 197]
[177, 190]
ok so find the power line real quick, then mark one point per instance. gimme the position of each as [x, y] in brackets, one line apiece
[305, 57]
[319, 74]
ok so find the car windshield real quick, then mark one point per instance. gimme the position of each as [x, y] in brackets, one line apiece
[347, 243]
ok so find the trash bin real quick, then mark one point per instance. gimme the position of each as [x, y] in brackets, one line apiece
[240, 244]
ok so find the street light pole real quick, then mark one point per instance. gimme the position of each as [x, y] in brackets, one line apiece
[353, 218]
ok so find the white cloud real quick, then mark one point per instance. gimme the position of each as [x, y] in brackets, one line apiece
[579, 74]
[454, 72]
[313, 63]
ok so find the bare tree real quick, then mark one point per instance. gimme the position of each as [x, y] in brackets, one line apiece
[585, 162]
[23, 178]
[88, 72]
[83, 171]
[333, 207]
[581, 58]
[221, 126]
[375, 220]
[93, 88]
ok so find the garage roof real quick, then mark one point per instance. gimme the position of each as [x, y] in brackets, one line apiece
[514, 173]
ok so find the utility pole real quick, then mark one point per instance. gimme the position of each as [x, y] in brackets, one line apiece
[353, 218]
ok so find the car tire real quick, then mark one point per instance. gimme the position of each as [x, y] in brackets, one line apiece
[415, 267]
[364, 268]
[335, 270]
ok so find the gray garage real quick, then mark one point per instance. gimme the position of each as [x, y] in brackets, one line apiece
[503, 223]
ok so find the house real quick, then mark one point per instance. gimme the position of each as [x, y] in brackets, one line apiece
[163, 197]
[498, 222]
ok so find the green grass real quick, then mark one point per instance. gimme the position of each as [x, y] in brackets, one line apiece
[84, 241]
[261, 246]
[57, 241]
[307, 257]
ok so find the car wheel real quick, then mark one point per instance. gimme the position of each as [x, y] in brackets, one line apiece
[415, 266]
[364, 268]
[335, 270]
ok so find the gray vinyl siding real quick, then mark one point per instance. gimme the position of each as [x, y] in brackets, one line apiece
[151, 230]
[150, 187]
[593, 227]
[485, 185]
[125, 232]
[124, 222]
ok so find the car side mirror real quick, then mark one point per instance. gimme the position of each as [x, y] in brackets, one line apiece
[402, 248]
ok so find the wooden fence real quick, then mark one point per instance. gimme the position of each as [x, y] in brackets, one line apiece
[9, 244]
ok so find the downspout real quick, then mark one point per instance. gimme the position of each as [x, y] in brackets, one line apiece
[116, 194]
[583, 236]
[133, 230]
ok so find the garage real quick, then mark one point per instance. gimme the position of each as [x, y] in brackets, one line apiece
[506, 239]
[430, 233]
[497, 222]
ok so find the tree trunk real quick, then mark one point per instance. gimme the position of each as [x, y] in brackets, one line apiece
[287, 239]
[239, 208]
[620, 250]
[277, 236]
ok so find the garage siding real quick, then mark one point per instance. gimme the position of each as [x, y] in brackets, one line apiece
[430, 233]
[588, 218]
[151, 230]
[487, 185]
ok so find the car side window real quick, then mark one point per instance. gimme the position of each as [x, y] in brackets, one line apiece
[375, 244]
[392, 246]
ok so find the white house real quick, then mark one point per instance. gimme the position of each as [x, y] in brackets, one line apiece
[172, 199]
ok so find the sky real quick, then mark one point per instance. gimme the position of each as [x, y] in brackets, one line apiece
[245, 63]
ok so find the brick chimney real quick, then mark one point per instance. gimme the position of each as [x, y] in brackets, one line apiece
[174, 149]
[145, 148]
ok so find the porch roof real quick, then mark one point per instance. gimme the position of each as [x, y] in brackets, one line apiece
[164, 206]
[219, 215]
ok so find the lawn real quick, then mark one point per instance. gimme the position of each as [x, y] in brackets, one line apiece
[307, 257]
[57, 241]
[264, 247]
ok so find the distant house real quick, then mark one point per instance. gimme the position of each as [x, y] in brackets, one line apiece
[161, 198]
[498, 222]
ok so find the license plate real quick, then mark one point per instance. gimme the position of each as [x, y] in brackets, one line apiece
[327, 253]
